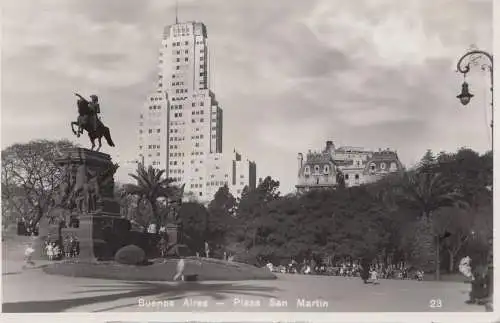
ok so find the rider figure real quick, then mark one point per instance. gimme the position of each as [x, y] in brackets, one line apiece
[94, 109]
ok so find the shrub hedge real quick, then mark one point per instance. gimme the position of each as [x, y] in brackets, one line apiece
[130, 255]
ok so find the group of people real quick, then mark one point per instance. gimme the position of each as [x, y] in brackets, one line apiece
[53, 250]
[375, 271]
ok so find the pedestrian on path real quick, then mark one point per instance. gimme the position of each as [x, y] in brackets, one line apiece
[180, 269]
[28, 253]
[374, 276]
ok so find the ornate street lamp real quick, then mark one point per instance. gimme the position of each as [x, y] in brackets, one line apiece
[465, 96]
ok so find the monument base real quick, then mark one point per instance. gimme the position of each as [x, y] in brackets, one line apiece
[98, 236]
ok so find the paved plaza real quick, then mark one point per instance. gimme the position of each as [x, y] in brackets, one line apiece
[32, 290]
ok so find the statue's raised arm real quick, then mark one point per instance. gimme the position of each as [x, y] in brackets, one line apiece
[81, 97]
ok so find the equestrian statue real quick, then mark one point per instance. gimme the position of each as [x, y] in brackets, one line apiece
[88, 120]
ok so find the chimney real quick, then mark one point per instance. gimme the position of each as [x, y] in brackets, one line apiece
[330, 148]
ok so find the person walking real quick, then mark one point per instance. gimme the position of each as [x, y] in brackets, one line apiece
[28, 253]
[374, 276]
[365, 271]
[180, 269]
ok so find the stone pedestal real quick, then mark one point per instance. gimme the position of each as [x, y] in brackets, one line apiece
[174, 233]
[95, 162]
[100, 227]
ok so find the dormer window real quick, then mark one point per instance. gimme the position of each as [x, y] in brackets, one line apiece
[326, 169]
[307, 170]
[316, 169]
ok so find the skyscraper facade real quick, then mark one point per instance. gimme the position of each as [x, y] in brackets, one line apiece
[183, 133]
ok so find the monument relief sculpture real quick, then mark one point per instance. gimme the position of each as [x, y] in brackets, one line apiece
[86, 195]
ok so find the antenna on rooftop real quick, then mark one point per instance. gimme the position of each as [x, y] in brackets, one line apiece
[176, 11]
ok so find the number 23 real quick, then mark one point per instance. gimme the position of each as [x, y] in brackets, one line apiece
[435, 303]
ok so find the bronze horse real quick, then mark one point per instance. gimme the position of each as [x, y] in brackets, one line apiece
[83, 123]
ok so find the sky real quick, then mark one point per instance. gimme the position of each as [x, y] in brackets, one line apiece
[289, 74]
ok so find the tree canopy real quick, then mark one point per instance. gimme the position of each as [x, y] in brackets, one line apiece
[30, 178]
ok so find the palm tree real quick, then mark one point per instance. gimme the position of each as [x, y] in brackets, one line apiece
[429, 191]
[151, 186]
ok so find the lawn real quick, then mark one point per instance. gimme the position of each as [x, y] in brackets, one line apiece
[161, 270]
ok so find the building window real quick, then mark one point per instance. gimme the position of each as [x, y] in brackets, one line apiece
[326, 169]
[372, 167]
[382, 166]
[346, 176]
[393, 167]
[307, 170]
[316, 168]
[356, 177]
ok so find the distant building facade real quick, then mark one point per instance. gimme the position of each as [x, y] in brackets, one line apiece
[351, 166]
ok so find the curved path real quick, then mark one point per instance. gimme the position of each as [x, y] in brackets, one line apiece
[22, 292]
[32, 290]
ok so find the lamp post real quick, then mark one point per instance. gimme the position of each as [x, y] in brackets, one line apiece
[464, 98]
[463, 67]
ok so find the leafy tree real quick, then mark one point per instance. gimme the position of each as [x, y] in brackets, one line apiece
[251, 208]
[427, 160]
[221, 217]
[194, 217]
[152, 187]
[30, 177]
[470, 174]
[457, 222]
[428, 191]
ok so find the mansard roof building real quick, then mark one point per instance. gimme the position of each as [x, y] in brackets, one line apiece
[347, 165]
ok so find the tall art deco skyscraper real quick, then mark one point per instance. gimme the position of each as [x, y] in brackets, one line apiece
[180, 129]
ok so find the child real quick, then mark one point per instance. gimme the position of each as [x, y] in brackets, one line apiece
[50, 251]
[56, 252]
[67, 247]
[28, 252]
[374, 276]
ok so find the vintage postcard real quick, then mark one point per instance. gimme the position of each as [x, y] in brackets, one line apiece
[307, 160]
